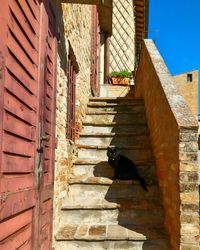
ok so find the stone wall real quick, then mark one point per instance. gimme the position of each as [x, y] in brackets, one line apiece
[188, 89]
[122, 42]
[77, 27]
[173, 132]
[74, 26]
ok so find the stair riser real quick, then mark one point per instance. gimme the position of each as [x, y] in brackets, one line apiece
[100, 154]
[114, 191]
[116, 128]
[126, 140]
[146, 172]
[136, 109]
[90, 216]
[160, 244]
[115, 216]
[129, 118]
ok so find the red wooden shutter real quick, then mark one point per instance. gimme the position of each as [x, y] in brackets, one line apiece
[25, 209]
[47, 121]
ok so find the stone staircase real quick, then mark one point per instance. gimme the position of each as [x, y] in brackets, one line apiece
[100, 213]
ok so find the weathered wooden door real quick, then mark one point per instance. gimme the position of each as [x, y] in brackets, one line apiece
[27, 100]
[95, 52]
[46, 123]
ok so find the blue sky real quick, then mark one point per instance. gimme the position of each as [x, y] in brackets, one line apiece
[174, 25]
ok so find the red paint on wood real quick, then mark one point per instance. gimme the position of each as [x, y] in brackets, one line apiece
[18, 239]
[19, 34]
[18, 127]
[29, 16]
[13, 203]
[23, 22]
[21, 182]
[19, 146]
[10, 226]
[17, 108]
[21, 75]
[22, 58]
[17, 89]
[17, 164]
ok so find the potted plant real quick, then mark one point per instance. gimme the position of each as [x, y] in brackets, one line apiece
[121, 77]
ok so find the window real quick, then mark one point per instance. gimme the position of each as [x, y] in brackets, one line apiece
[189, 77]
[72, 70]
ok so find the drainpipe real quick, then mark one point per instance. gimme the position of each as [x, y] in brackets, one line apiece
[106, 57]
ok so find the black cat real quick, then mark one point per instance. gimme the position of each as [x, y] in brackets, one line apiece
[124, 168]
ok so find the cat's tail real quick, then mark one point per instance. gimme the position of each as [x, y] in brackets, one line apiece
[143, 184]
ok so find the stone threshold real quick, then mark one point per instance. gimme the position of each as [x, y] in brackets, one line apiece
[104, 147]
[113, 134]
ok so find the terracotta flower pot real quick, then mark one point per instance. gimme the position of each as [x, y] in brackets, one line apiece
[118, 80]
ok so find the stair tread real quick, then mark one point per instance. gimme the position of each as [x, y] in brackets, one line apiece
[106, 232]
[81, 203]
[115, 99]
[112, 134]
[91, 161]
[104, 147]
[86, 179]
[111, 123]
[97, 112]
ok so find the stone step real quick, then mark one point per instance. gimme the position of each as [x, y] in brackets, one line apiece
[135, 153]
[135, 108]
[116, 191]
[118, 100]
[81, 203]
[86, 179]
[157, 244]
[108, 90]
[115, 128]
[117, 139]
[122, 216]
[111, 232]
[103, 169]
[126, 117]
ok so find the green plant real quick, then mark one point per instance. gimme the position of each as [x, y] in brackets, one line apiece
[123, 73]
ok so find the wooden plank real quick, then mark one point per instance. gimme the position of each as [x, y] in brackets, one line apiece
[14, 86]
[29, 16]
[47, 127]
[34, 9]
[21, 181]
[22, 58]
[18, 146]
[17, 164]
[46, 206]
[14, 203]
[10, 226]
[48, 115]
[27, 245]
[17, 108]
[49, 78]
[20, 36]
[49, 91]
[47, 153]
[24, 24]
[22, 76]
[18, 127]
[46, 165]
[48, 103]
[46, 218]
[45, 237]
[18, 239]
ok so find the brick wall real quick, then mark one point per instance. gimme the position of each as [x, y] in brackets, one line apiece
[74, 26]
[173, 131]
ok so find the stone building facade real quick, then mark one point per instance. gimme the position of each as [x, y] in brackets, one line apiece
[187, 83]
